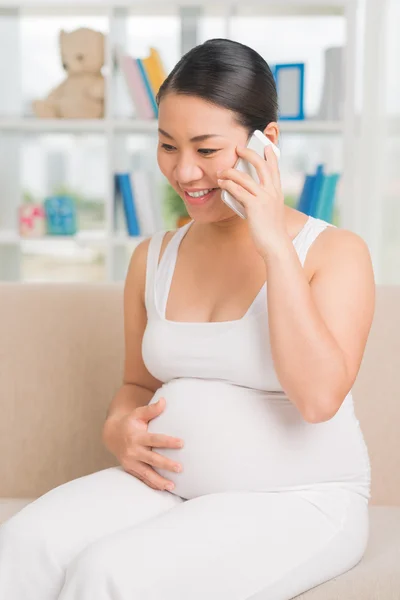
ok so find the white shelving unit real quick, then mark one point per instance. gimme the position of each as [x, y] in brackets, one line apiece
[117, 247]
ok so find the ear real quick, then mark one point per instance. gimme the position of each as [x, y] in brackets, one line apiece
[272, 132]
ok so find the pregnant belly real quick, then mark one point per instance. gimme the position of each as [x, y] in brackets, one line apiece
[239, 439]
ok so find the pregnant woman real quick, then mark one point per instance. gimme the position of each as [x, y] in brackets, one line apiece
[243, 470]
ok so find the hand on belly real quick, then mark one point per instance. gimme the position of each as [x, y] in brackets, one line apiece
[238, 439]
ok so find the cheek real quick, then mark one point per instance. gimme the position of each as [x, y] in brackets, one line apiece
[164, 164]
[227, 161]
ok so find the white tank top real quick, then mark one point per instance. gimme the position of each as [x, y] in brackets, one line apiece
[238, 351]
[227, 366]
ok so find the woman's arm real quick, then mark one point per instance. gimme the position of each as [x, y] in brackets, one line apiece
[138, 386]
[319, 330]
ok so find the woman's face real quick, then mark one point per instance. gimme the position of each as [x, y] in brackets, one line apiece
[197, 139]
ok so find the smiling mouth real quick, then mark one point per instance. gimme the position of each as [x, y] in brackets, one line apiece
[198, 200]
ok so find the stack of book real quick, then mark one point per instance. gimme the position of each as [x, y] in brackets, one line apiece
[317, 197]
[143, 77]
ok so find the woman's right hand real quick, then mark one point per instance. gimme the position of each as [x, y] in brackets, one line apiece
[132, 445]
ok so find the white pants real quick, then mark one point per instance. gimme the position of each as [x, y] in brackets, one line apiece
[108, 536]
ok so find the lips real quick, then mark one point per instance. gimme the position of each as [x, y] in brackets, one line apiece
[201, 199]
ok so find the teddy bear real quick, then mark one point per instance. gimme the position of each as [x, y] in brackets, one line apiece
[81, 94]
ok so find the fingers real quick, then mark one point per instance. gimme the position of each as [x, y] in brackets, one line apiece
[272, 165]
[242, 179]
[259, 163]
[160, 462]
[148, 412]
[237, 191]
[151, 478]
[159, 440]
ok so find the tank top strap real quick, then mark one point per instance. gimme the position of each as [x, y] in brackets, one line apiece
[308, 235]
[166, 267]
[161, 271]
[153, 254]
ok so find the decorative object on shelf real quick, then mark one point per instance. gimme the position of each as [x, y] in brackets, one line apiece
[143, 78]
[174, 207]
[289, 79]
[317, 197]
[32, 220]
[60, 215]
[332, 96]
[81, 94]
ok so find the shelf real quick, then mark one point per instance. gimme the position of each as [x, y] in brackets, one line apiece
[82, 238]
[82, 126]
[122, 239]
[34, 125]
[160, 7]
[8, 237]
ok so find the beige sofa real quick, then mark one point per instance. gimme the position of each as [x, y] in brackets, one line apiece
[61, 356]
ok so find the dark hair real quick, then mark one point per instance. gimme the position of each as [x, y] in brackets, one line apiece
[228, 74]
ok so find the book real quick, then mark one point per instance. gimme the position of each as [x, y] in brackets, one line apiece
[124, 192]
[147, 86]
[155, 70]
[135, 85]
[148, 217]
[332, 96]
[316, 190]
[306, 193]
[327, 198]
[317, 196]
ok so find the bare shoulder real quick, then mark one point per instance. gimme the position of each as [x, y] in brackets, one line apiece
[341, 247]
[342, 268]
[343, 289]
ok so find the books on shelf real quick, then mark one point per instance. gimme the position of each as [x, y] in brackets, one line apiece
[135, 205]
[143, 78]
[332, 95]
[317, 197]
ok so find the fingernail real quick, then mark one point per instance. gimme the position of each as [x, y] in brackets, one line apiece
[169, 487]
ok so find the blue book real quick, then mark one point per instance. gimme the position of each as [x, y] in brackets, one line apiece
[304, 201]
[147, 85]
[318, 183]
[327, 198]
[124, 188]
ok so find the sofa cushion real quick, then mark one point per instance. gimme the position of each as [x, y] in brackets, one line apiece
[377, 575]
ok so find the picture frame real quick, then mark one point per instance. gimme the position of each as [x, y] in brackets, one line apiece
[289, 80]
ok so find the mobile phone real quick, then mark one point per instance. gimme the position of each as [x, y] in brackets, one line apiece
[258, 141]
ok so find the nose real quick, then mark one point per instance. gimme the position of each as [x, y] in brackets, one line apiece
[187, 171]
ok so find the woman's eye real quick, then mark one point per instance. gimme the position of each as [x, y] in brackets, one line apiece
[167, 147]
[206, 151]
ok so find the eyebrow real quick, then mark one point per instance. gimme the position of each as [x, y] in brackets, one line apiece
[196, 138]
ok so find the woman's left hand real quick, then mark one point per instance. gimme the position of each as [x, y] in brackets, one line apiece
[264, 201]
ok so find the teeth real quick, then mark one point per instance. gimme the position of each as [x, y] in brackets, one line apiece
[199, 194]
